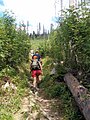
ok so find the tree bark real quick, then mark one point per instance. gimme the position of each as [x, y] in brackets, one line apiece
[80, 94]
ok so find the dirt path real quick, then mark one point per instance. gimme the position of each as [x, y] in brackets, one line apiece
[36, 107]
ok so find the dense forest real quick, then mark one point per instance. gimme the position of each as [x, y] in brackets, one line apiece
[68, 47]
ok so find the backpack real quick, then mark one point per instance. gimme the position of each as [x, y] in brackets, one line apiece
[35, 64]
[38, 56]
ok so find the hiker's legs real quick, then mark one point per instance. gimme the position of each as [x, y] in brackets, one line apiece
[35, 82]
[39, 81]
[36, 74]
[34, 78]
[39, 78]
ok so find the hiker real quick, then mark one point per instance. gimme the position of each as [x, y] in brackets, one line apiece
[36, 71]
[31, 53]
[38, 56]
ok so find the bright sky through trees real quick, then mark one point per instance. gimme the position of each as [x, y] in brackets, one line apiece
[34, 11]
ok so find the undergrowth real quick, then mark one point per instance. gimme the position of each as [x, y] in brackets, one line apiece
[55, 87]
[59, 90]
[10, 100]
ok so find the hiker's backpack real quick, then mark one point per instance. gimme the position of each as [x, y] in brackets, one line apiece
[35, 64]
[38, 56]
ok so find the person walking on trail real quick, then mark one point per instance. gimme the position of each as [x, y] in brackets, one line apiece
[31, 53]
[36, 71]
[38, 56]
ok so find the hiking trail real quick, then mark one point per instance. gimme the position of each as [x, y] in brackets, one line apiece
[36, 107]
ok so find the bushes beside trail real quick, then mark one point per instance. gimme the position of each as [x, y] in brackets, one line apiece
[14, 43]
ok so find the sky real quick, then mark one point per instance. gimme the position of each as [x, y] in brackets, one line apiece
[34, 11]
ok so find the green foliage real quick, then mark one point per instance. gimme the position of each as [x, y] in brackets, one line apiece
[45, 48]
[14, 44]
[35, 43]
[9, 25]
[54, 89]
[42, 44]
[10, 100]
[6, 116]
[55, 46]
[70, 42]
[8, 71]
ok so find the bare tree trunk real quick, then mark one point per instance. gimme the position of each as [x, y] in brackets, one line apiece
[80, 94]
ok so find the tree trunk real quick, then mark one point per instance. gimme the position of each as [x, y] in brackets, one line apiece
[80, 94]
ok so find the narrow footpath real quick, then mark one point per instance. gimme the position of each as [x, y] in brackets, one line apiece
[36, 107]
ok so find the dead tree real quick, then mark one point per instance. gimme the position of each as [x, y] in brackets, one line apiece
[80, 93]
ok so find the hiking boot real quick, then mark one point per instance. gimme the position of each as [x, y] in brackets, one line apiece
[38, 85]
[34, 90]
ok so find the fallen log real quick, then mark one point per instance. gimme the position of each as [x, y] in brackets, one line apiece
[80, 93]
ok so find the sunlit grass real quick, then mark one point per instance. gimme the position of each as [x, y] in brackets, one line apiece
[36, 43]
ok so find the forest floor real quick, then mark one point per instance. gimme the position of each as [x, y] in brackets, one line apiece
[38, 107]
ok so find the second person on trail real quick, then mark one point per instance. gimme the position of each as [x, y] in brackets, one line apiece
[36, 71]
[38, 56]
